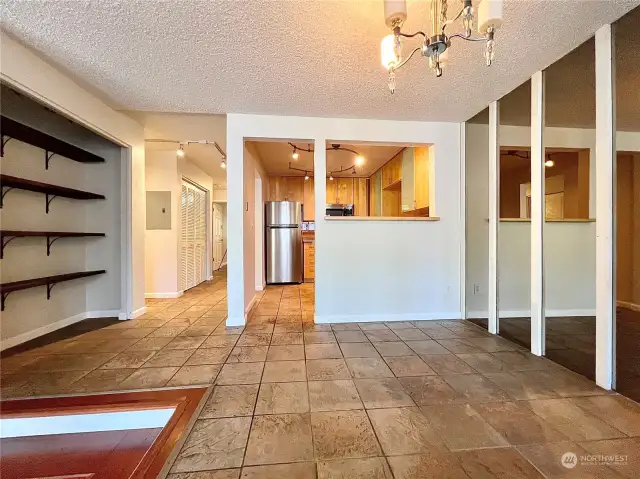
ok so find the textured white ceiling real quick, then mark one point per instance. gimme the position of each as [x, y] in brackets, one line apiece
[311, 58]
[188, 127]
[276, 156]
[570, 86]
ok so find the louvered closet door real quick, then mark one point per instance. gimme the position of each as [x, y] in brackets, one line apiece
[193, 238]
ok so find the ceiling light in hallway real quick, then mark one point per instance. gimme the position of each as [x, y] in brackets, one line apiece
[436, 41]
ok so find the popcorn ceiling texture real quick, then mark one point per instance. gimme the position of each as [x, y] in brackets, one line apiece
[310, 58]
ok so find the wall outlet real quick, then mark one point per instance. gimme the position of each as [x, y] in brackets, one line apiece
[476, 289]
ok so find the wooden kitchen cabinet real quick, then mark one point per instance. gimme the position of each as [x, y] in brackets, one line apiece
[421, 177]
[309, 262]
[392, 171]
[360, 197]
[286, 188]
[309, 201]
[332, 191]
[345, 191]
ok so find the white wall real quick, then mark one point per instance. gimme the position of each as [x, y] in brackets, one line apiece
[28, 313]
[252, 167]
[165, 171]
[569, 248]
[26, 71]
[365, 270]
[161, 246]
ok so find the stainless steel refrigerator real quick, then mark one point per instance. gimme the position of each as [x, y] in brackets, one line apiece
[283, 225]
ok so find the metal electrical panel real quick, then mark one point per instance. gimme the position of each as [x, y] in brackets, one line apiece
[158, 210]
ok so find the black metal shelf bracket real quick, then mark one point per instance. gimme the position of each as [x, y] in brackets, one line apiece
[50, 242]
[4, 192]
[49, 200]
[47, 158]
[9, 239]
[4, 297]
[4, 142]
[49, 288]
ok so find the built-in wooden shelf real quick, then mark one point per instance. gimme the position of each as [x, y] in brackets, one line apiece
[51, 191]
[9, 235]
[393, 186]
[12, 129]
[48, 281]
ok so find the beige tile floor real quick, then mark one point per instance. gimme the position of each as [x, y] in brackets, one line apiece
[288, 398]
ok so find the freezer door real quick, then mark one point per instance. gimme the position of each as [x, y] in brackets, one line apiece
[284, 255]
[283, 213]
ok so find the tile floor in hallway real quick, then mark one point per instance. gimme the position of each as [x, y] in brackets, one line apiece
[371, 400]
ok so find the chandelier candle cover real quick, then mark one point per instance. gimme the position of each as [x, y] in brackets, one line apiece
[436, 42]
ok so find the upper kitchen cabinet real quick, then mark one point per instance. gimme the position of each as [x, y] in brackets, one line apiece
[392, 172]
[309, 201]
[345, 191]
[421, 178]
[286, 188]
[332, 191]
[360, 199]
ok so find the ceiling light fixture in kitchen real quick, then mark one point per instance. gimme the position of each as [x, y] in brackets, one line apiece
[436, 42]
[359, 159]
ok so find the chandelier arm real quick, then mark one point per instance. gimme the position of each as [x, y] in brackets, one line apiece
[469, 39]
[408, 58]
[411, 35]
[449, 22]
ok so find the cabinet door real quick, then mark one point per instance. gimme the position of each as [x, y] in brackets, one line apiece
[309, 201]
[360, 200]
[421, 177]
[274, 188]
[309, 262]
[408, 198]
[392, 171]
[332, 191]
[294, 190]
[345, 191]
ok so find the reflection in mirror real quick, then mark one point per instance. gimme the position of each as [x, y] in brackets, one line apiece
[627, 246]
[569, 243]
[514, 236]
[477, 226]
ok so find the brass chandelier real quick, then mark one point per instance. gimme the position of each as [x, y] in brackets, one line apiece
[436, 42]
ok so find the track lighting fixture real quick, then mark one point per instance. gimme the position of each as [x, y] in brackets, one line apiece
[180, 151]
[223, 164]
[306, 176]
[549, 163]
[359, 159]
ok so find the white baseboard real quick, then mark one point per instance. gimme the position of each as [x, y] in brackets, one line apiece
[369, 318]
[250, 305]
[235, 322]
[173, 295]
[49, 328]
[138, 312]
[628, 305]
[525, 313]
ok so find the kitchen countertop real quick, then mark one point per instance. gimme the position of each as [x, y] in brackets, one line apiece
[308, 237]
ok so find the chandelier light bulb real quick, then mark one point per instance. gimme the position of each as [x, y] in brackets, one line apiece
[180, 151]
[390, 51]
[359, 160]
[223, 164]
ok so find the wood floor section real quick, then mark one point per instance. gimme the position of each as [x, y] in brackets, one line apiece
[138, 453]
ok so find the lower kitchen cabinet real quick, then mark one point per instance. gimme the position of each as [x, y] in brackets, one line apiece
[309, 262]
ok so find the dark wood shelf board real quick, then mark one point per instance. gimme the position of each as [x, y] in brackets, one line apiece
[12, 129]
[51, 191]
[48, 281]
[9, 235]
